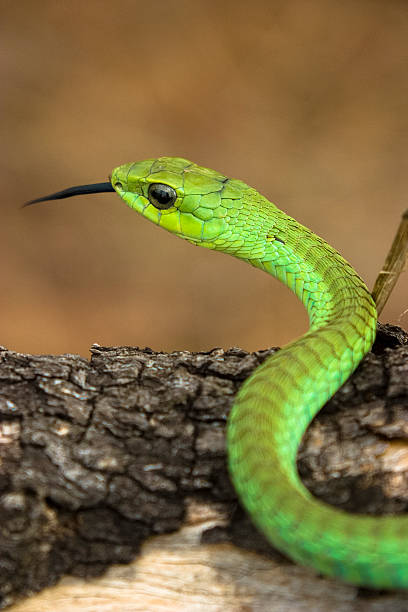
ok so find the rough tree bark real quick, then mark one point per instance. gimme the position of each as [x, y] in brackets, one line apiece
[95, 456]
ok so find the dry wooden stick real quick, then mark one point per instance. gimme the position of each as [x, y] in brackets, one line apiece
[393, 266]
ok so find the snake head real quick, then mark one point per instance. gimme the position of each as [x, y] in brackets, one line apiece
[190, 201]
[195, 203]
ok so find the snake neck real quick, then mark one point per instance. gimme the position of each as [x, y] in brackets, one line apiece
[264, 236]
[329, 288]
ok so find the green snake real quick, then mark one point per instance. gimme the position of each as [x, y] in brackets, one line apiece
[278, 401]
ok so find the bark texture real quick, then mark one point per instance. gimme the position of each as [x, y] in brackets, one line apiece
[95, 456]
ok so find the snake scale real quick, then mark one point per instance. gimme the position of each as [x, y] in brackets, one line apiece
[277, 402]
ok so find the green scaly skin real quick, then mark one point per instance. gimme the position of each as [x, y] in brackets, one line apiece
[276, 404]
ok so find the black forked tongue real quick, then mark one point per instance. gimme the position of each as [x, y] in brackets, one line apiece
[73, 191]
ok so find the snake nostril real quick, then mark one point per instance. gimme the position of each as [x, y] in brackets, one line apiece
[118, 186]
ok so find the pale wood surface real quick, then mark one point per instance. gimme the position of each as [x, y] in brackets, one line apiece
[176, 573]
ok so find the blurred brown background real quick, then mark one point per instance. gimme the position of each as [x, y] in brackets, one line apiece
[304, 100]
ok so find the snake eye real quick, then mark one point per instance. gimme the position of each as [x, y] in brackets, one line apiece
[162, 196]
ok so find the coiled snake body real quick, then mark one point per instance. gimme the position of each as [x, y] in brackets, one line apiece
[276, 404]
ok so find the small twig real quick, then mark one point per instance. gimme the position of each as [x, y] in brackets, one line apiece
[402, 315]
[393, 266]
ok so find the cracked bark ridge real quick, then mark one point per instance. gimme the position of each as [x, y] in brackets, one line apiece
[97, 455]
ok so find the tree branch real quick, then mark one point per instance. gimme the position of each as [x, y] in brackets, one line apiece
[96, 456]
